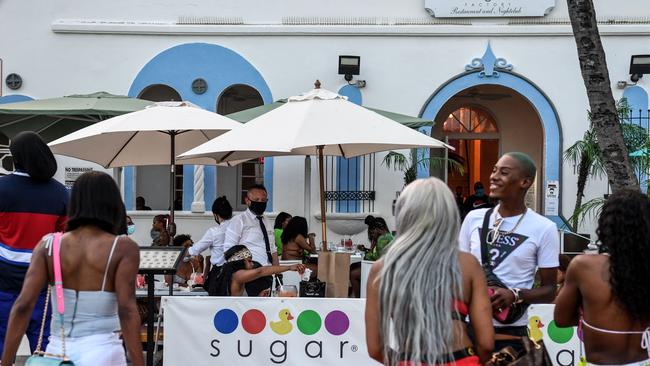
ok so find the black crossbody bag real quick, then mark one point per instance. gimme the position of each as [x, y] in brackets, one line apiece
[516, 311]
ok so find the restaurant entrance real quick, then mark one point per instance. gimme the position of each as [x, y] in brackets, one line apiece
[482, 123]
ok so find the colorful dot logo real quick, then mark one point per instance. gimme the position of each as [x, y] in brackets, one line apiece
[308, 322]
[225, 321]
[559, 334]
[337, 323]
[253, 321]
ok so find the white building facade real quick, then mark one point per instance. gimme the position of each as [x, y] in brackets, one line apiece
[495, 76]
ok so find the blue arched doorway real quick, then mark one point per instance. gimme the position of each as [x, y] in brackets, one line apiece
[493, 71]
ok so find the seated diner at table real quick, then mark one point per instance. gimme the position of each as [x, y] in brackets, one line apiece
[296, 242]
[281, 222]
[159, 235]
[240, 269]
[188, 264]
[379, 237]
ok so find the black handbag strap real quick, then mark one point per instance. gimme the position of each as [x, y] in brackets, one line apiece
[485, 258]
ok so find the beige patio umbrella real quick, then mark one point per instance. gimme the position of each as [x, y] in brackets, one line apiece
[319, 122]
[152, 136]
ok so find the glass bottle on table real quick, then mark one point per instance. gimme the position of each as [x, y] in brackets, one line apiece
[348, 244]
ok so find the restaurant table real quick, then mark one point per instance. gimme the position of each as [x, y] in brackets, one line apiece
[175, 292]
[354, 257]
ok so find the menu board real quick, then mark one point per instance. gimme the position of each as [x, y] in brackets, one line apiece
[159, 259]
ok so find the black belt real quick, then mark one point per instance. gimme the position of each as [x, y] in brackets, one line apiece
[456, 355]
[519, 331]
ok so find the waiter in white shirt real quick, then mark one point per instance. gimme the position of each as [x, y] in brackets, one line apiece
[250, 228]
[214, 239]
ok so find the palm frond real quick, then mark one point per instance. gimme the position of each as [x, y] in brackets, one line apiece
[439, 163]
[591, 209]
[397, 160]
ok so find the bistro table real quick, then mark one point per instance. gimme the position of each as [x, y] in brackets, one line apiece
[354, 257]
[175, 292]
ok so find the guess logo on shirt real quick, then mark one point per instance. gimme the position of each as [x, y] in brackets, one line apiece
[503, 246]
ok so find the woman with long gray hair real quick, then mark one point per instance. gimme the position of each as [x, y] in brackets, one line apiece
[423, 289]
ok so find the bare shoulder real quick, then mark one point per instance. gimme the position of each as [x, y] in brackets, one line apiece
[127, 245]
[42, 248]
[375, 270]
[468, 262]
[587, 263]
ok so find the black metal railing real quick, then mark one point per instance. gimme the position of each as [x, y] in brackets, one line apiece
[640, 118]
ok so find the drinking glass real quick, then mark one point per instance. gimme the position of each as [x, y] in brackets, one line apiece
[348, 244]
[287, 291]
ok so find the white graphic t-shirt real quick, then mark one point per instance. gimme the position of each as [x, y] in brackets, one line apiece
[515, 257]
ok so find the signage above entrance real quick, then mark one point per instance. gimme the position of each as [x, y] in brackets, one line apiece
[488, 8]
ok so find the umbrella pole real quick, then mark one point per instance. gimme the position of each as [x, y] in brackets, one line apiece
[171, 228]
[322, 198]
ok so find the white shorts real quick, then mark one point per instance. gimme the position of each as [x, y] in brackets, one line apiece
[93, 350]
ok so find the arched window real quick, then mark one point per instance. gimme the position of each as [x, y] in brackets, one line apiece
[160, 93]
[238, 98]
[474, 134]
[469, 120]
[234, 99]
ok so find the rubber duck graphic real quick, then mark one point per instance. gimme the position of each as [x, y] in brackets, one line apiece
[283, 326]
[534, 328]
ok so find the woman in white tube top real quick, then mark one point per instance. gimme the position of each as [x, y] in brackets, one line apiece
[98, 266]
[608, 294]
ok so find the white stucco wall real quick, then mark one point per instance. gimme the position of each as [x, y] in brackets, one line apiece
[60, 48]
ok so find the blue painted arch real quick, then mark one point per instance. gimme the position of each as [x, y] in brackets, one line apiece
[221, 68]
[552, 150]
[637, 100]
[15, 98]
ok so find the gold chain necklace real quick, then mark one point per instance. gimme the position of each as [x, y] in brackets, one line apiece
[496, 228]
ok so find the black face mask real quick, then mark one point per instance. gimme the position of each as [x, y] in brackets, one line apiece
[257, 208]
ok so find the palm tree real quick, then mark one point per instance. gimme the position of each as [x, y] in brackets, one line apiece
[409, 164]
[588, 161]
[604, 119]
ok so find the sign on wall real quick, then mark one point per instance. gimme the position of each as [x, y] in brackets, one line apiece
[264, 331]
[72, 173]
[488, 8]
[552, 198]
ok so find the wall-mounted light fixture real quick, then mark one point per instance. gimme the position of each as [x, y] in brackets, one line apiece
[639, 66]
[348, 66]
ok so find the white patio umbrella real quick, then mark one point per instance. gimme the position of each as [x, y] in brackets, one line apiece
[152, 136]
[319, 122]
